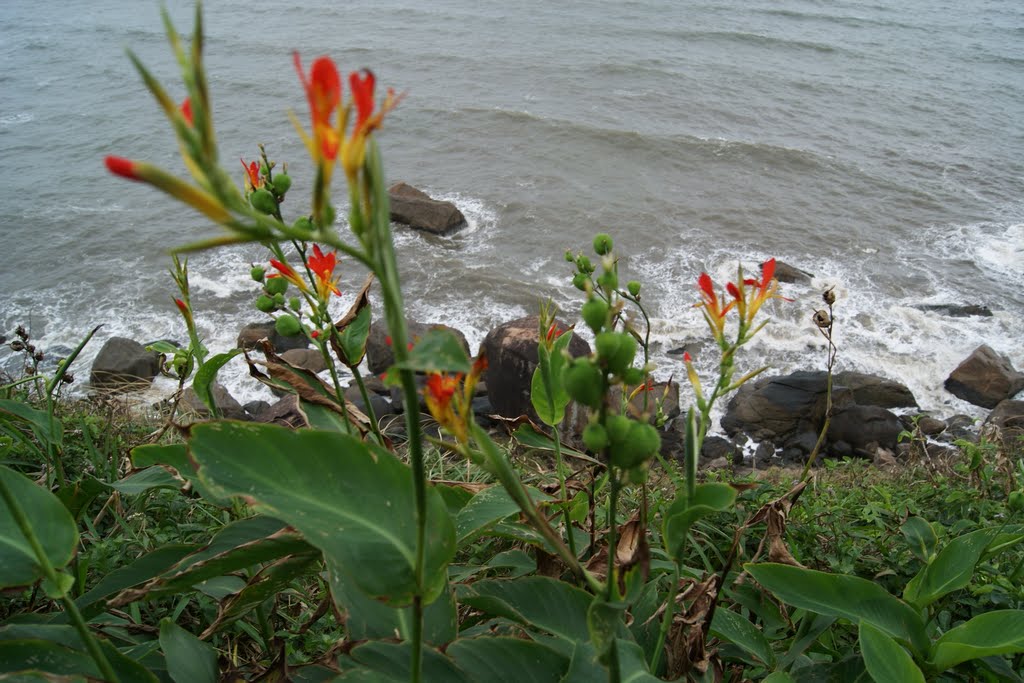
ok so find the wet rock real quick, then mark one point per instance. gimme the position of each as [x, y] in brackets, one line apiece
[285, 412]
[985, 378]
[305, 359]
[124, 364]
[787, 273]
[379, 354]
[873, 390]
[957, 310]
[1005, 424]
[250, 335]
[865, 428]
[419, 211]
[192, 406]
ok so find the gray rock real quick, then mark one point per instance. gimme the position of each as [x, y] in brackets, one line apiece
[305, 359]
[787, 273]
[985, 378]
[124, 364]
[872, 390]
[253, 332]
[958, 310]
[1006, 424]
[228, 407]
[865, 428]
[379, 354]
[419, 211]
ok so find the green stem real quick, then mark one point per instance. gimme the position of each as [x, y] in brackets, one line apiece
[51, 575]
[613, 502]
[337, 384]
[370, 413]
[666, 621]
[564, 493]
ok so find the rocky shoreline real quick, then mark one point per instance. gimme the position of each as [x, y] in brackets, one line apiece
[771, 420]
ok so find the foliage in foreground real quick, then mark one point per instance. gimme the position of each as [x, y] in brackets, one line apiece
[326, 553]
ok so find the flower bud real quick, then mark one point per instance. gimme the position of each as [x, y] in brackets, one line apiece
[263, 201]
[282, 183]
[294, 303]
[602, 244]
[287, 325]
[276, 285]
[265, 303]
[634, 288]
[257, 273]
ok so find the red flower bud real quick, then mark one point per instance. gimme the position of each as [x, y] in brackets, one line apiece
[122, 167]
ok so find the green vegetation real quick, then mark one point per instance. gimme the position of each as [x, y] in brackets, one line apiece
[241, 551]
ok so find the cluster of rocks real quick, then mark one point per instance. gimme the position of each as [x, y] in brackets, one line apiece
[776, 417]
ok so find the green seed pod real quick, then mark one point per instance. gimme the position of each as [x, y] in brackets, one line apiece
[584, 265]
[276, 285]
[287, 325]
[257, 273]
[608, 279]
[279, 300]
[634, 288]
[568, 256]
[640, 444]
[632, 376]
[282, 183]
[624, 354]
[263, 201]
[638, 475]
[584, 382]
[265, 303]
[579, 281]
[595, 437]
[595, 314]
[607, 344]
[303, 223]
[618, 428]
[602, 244]
[294, 303]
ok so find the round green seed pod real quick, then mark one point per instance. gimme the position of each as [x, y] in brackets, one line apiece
[282, 183]
[568, 256]
[595, 437]
[294, 303]
[607, 344]
[287, 325]
[608, 279]
[303, 223]
[279, 300]
[595, 314]
[583, 263]
[602, 244]
[579, 281]
[584, 382]
[624, 354]
[265, 303]
[257, 273]
[632, 376]
[641, 443]
[263, 201]
[276, 285]
[634, 288]
[618, 428]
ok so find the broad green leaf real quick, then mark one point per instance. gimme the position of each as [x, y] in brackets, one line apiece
[733, 628]
[508, 660]
[322, 417]
[999, 632]
[50, 521]
[920, 537]
[487, 508]
[437, 351]
[56, 658]
[142, 569]
[604, 620]
[163, 346]
[779, 677]
[78, 495]
[538, 601]
[529, 437]
[176, 456]
[205, 376]
[584, 666]
[352, 500]
[390, 662]
[354, 336]
[547, 393]
[46, 429]
[885, 659]
[844, 596]
[951, 569]
[368, 619]
[683, 513]
[847, 670]
[189, 660]
[155, 477]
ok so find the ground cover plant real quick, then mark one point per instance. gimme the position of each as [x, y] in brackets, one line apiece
[233, 550]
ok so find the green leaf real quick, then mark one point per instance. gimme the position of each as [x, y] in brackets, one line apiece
[604, 620]
[885, 659]
[437, 351]
[176, 456]
[999, 632]
[528, 437]
[733, 628]
[354, 336]
[46, 429]
[205, 376]
[368, 619]
[385, 662]
[142, 569]
[508, 660]
[163, 346]
[189, 660]
[951, 569]
[64, 660]
[547, 393]
[683, 513]
[50, 521]
[538, 601]
[269, 581]
[352, 500]
[920, 537]
[844, 596]
[779, 677]
[155, 477]
[78, 495]
[57, 590]
[584, 666]
[487, 508]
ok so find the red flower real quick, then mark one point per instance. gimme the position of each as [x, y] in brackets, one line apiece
[253, 177]
[714, 312]
[362, 94]
[289, 274]
[122, 167]
[186, 110]
[323, 266]
[323, 91]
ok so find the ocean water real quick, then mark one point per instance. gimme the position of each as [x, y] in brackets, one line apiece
[879, 146]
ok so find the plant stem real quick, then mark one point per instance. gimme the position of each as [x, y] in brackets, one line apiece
[370, 412]
[666, 620]
[613, 502]
[51, 575]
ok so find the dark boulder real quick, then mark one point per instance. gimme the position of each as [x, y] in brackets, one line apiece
[779, 408]
[865, 429]
[285, 412]
[957, 310]
[379, 354]
[791, 274]
[511, 351]
[985, 378]
[872, 390]
[1005, 424]
[305, 359]
[419, 211]
[252, 333]
[192, 406]
[124, 364]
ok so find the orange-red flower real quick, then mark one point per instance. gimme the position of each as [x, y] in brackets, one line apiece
[323, 91]
[450, 406]
[289, 274]
[253, 177]
[323, 266]
[353, 148]
[186, 110]
[713, 309]
[126, 168]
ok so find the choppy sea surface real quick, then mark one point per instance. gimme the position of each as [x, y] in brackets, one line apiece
[877, 145]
